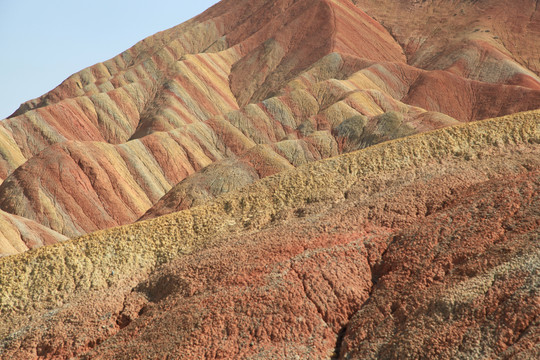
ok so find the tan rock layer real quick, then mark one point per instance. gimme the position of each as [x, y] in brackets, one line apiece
[249, 75]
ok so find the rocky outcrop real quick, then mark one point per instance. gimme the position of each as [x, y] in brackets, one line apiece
[315, 262]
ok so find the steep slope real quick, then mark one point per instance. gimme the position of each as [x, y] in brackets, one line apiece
[490, 41]
[304, 79]
[158, 85]
[309, 263]
[475, 288]
[339, 26]
[219, 178]
[113, 185]
[79, 187]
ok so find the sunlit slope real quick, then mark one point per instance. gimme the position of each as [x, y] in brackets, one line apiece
[18, 234]
[481, 174]
[271, 85]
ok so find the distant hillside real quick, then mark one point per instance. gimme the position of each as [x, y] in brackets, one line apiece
[262, 84]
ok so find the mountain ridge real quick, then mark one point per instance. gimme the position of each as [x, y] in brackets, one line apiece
[517, 128]
[325, 179]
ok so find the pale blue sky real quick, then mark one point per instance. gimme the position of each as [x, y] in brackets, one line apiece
[43, 42]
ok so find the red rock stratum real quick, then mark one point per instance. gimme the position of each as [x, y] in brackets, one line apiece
[283, 179]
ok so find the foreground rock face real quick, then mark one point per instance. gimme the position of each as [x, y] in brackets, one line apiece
[425, 247]
[262, 85]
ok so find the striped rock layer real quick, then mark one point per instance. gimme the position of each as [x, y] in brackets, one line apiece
[421, 247]
[248, 89]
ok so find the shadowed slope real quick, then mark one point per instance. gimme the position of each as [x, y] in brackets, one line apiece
[266, 266]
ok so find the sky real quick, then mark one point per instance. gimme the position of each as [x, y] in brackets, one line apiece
[44, 42]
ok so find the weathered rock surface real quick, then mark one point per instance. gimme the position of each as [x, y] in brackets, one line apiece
[490, 41]
[304, 79]
[219, 178]
[114, 184]
[316, 262]
[249, 233]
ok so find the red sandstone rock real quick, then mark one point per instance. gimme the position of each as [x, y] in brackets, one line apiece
[432, 255]
[435, 261]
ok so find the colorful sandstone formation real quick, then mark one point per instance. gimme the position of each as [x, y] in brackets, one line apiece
[306, 79]
[425, 246]
[326, 179]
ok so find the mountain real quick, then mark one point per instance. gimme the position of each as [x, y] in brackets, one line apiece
[425, 246]
[318, 179]
[305, 79]
[18, 234]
